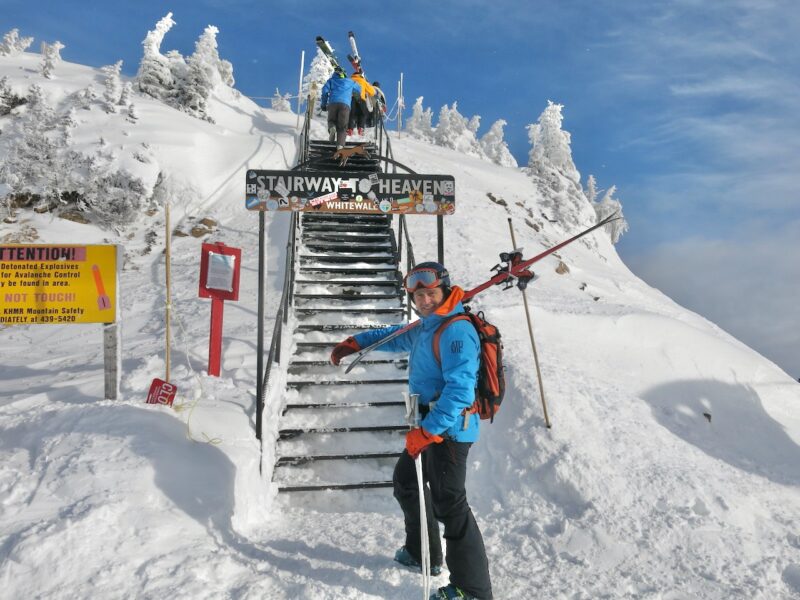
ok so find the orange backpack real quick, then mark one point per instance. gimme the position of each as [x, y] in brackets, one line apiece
[491, 373]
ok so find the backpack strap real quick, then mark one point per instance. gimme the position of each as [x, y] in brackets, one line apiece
[439, 330]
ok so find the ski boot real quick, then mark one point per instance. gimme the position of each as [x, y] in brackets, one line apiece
[349, 131]
[361, 131]
[451, 592]
[404, 557]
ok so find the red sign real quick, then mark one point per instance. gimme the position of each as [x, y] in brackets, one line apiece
[219, 271]
[161, 392]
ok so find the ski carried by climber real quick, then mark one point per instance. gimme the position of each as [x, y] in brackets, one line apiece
[337, 93]
[446, 389]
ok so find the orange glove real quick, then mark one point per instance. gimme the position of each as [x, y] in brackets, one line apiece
[418, 439]
[345, 348]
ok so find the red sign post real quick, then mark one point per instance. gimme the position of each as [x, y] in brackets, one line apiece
[219, 280]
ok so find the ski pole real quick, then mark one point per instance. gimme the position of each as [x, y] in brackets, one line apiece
[530, 332]
[423, 519]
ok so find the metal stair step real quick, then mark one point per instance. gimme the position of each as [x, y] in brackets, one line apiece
[300, 384]
[368, 259]
[365, 485]
[351, 248]
[300, 460]
[312, 327]
[328, 226]
[318, 405]
[347, 218]
[349, 297]
[313, 237]
[286, 434]
[349, 270]
[307, 311]
[401, 363]
[350, 282]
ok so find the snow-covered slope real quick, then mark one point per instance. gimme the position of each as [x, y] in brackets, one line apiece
[672, 469]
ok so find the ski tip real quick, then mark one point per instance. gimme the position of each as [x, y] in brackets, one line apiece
[320, 38]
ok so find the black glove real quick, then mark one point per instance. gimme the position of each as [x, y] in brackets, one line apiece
[323, 107]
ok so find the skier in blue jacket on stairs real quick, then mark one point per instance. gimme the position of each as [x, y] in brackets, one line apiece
[447, 431]
[337, 94]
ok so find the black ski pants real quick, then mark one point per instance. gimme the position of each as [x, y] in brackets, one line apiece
[338, 117]
[358, 114]
[444, 470]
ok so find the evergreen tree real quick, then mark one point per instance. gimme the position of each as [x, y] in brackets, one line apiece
[51, 56]
[281, 102]
[453, 131]
[495, 147]
[113, 86]
[155, 77]
[86, 97]
[420, 124]
[205, 70]
[591, 189]
[608, 206]
[8, 99]
[12, 44]
[133, 116]
[318, 73]
[551, 145]
[125, 96]
[474, 124]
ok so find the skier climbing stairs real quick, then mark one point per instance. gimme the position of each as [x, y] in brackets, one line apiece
[342, 431]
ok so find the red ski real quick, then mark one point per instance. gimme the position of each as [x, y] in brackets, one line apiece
[515, 268]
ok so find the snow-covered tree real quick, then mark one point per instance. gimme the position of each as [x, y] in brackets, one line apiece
[474, 124]
[12, 44]
[8, 99]
[452, 131]
[113, 86]
[551, 144]
[86, 97]
[591, 190]
[281, 101]
[205, 70]
[319, 72]
[125, 96]
[155, 77]
[67, 123]
[608, 206]
[51, 56]
[33, 164]
[420, 124]
[133, 116]
[495, 147]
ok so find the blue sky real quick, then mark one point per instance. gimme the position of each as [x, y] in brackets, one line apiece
[691, 108]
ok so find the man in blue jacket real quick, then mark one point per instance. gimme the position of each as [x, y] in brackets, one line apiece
[336, 96]
[448, 429]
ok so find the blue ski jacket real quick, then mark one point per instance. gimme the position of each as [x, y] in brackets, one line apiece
[339, 90]
[451, 386]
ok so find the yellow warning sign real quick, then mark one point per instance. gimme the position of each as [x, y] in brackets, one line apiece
[58, 284]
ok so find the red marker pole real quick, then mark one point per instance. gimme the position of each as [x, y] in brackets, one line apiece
[219, 281]
[215, 339]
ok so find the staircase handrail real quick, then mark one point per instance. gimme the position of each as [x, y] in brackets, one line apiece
[282, 315]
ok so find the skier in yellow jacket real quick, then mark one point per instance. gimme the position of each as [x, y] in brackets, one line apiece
[362, 104]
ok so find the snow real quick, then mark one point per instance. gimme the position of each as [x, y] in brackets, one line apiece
[633, 493]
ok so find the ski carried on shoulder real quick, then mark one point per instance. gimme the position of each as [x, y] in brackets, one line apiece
[327, 50]
[514, 268]
[355, 57]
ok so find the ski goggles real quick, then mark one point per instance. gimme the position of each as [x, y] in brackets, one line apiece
[426, 278]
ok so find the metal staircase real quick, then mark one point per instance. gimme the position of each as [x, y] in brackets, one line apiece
[337, 431]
